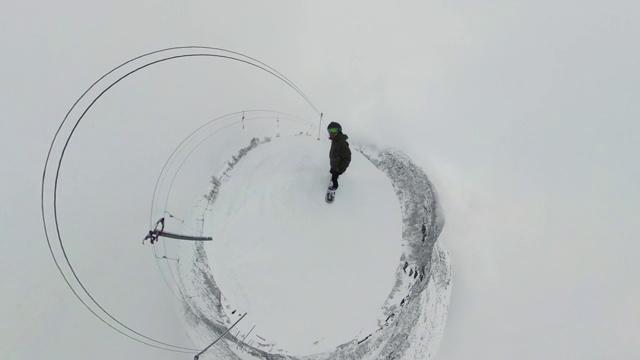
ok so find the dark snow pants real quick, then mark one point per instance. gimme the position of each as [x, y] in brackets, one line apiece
[334, 180]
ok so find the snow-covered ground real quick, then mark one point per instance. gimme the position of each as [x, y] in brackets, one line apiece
[523, 113]
[312, 277]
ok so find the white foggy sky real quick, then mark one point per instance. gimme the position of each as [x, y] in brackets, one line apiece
[523, 113]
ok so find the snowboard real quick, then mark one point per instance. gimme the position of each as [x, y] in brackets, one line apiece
[331, 195]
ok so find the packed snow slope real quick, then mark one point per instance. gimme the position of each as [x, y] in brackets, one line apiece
[309, 275]
[300, 275]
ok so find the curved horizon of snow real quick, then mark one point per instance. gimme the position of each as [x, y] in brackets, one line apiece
[416, 309]
[309, 275]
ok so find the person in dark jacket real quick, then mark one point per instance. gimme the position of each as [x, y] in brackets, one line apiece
[339, 155]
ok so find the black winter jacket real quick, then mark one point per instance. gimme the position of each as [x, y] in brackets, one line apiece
[340, 154]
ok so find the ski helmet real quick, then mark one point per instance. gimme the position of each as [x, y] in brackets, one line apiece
[334, 125]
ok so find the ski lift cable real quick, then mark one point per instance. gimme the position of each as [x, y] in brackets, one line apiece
[192, 47]
[171, 186]
[196, 146]
[183, 301]
[173, 156]
[175, 176]
[92, 310]
[273, 71]
[268, 69]
[96, 303]
[171, 159]
[163, 275]
[164, 244]
[55, 190]
[92, 298]
[56, 222]
[166, 202]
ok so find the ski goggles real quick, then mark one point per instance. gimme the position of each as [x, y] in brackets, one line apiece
[333, 130]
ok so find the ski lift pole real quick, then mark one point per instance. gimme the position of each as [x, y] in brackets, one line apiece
[245, 337]
[218, 339]
[319, 126]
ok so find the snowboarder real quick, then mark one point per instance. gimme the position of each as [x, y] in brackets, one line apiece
[339, 155]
